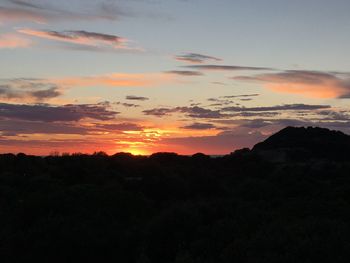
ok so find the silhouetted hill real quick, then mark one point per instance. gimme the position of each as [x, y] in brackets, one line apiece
[311, 142]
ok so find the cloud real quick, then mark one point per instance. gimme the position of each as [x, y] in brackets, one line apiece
[158, 112]
[335, 115]
[25, 4]
[255, 114]
[10, 14]
[199, 112]
[82, 39]
[14, 41]
[46, 113]
[273, 125]
[203, 113]
[13, 127]
[199, 126]
[51, 92]
[114, 80]
[227, 100]
[128, 105]
[120, 127]
[225, 68]
[132, 97]
[219, 102]
[246, 133]
[219, 83]
[53, 120]
[28, 90]
[312, 84]
[223, 142]
[196, 58]
[185, 73]
[240, 96]
[285, 107]
[37, 90]
[45, 11]
[193, 112]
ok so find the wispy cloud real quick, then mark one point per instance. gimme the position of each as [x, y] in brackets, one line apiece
[199, 126]
[127, 105]
[240, 96]
[158, 112]
[192, 112]
[237, 112]
[14, 41]
[82, 39]
[132, 97]
[45, 11]
[225, 68]
[14, 14]
[28, 90]
[195, 58]
[125, 126]
[14, 127]
[114, 80]
[312, 84]
[285, 107]
[244, 133]
[184, 72]
[277, 124]
[47, 113]
[231, 99]
[219, 83]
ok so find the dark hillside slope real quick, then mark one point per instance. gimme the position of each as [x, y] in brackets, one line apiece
[308, 142]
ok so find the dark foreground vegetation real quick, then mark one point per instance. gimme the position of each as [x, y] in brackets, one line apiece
[286, 200]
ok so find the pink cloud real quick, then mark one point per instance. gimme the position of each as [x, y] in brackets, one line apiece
[115, 80]
[84, 40]
[311, 84]
[9, 14]
[13, 41]
[79, 37]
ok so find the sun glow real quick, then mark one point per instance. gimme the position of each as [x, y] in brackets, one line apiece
[135, 151]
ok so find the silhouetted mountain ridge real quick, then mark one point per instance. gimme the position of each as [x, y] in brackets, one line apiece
[307, 142]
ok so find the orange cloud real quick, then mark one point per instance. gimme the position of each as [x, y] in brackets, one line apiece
[324, 91]
[313, 84]
[52, 90]
[13, 41]
[115, 80]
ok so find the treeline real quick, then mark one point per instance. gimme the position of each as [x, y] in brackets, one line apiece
[171, 208]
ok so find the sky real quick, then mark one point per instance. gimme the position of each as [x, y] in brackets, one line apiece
[185, 76]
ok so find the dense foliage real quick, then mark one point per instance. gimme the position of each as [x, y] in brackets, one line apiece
[164, 208]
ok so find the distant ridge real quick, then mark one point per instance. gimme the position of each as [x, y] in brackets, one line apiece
[307, 142]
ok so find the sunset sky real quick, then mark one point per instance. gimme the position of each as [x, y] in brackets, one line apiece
[184, 76]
